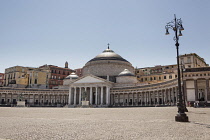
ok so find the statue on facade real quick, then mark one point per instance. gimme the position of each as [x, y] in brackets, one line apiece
[84, 96]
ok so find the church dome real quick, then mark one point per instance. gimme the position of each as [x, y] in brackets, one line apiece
[72, 76]
[107, 65]
[126, 72]
[108, 54]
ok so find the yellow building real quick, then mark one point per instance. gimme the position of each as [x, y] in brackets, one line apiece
[158, 74]
[26, 77]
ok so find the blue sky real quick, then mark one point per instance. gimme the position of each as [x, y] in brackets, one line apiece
[38, 32]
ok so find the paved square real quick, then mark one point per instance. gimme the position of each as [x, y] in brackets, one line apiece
[102, 123]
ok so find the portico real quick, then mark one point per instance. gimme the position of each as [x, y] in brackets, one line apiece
[97, 91]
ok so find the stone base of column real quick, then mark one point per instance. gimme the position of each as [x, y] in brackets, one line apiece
[182, 117]
[20, 103]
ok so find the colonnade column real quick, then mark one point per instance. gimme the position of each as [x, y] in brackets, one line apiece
[96, 99]
[123, 99]
[169, 94]
[173, 93]
[118, 99]
[91, 95]
[107, 95]
[69, 96]
[196, 89]
[80, 95]
[137, 94]
[207, 90]
[75, 95]
[102, 95]
[158, 100]
[176, 94]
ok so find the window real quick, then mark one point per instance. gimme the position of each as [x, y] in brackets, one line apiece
[35, 82]
[150, 78]
[175, 76]
[59, 72]
[189, 66]
[164, 77]
[52, 71]
[182, 60]
[159, 78]
[145, 79]
[141, 79]
[154, 78]
[170, 76]
[188, 60]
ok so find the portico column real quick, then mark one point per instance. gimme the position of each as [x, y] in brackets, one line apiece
[69, 96]
[102, 95]
[91, 95]
[80, 95]
[107, 95]
[96, 99]
[75, 94]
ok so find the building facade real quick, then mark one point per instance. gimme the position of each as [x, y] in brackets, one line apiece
[1, 79]
[57, 74]
[109, 80]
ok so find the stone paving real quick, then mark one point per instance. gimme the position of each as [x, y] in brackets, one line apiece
[142, 123]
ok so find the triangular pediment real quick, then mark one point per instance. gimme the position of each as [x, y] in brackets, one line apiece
[90, 79]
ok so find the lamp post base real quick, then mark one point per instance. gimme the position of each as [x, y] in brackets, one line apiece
[182, 117]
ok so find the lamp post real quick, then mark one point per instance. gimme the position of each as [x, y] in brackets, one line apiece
[183, 92]
[176, 25]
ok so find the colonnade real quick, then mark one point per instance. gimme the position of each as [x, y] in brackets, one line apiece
[166, 96]
[43, 99]
[96, 95]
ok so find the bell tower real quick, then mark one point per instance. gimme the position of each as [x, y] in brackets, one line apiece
[66, 65]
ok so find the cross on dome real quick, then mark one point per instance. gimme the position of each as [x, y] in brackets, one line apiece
[108, 45]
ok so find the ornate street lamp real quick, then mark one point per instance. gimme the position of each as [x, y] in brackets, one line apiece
[183, 92]
[176, 25]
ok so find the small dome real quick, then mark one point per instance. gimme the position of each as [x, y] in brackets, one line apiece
[126, 72]
[108, 54]
[72, 76]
